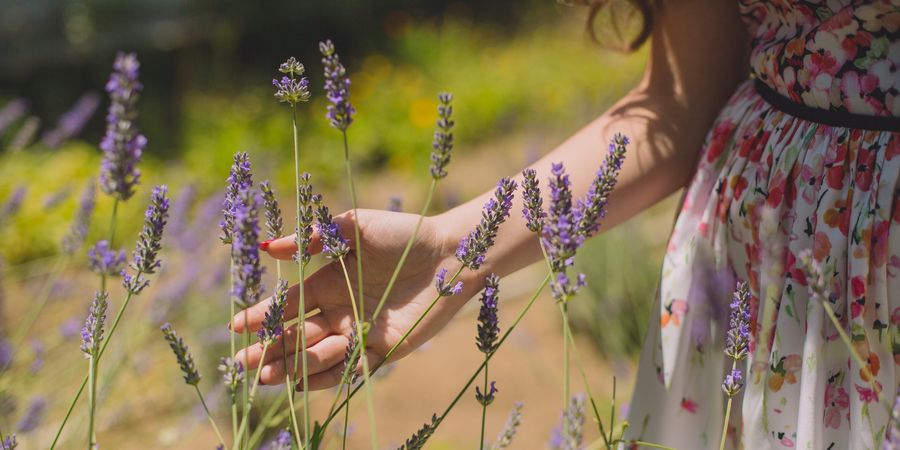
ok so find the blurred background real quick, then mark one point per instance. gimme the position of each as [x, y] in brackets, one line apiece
[524, 75]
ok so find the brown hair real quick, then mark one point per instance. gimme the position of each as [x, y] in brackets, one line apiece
[617, 16]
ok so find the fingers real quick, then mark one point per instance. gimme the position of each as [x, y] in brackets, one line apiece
[327, 353]
[333, 376]
[286, 247]
[316, 330]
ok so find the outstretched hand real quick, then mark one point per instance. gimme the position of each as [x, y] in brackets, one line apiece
[384, 235]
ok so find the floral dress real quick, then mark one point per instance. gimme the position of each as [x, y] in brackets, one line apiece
[805, 156]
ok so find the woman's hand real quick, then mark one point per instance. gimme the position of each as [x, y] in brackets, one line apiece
[384, 235]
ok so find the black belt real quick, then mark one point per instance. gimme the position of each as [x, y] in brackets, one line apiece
[825, 116]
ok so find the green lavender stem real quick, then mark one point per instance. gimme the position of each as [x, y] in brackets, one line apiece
[288, 385]
[346, 419]
[231, 336]
[84, 381]
[249, 404]
[301, 266]
[246, 391]
[484, 405]
[209, 416]
[112, 239]
[357, 241]
[370, 403]
[92, 398]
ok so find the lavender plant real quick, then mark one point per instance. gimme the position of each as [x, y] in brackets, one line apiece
[737, 343]
[488, 329]
[504, 440]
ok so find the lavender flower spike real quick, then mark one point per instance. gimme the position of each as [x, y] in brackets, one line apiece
[351, 361]
[104, 260]
[533, 211]
[13, 204]
[573, 416]
[473, 248]
[509, 430]
[334, 245]
[307, 209]
[79, 228]
[274, 224]
[33, 415]
[444, 289]
[9, 442]
[593, 207]
[488, 323]
[560, 237]
[92, 332]
[239, 179]
[232, 373]
[273, 323]
[486, 399]
[246, 269]
[443, 137]
[738, 337]
[292, 88]
[282, 441]
[182, 354]
[733, 383]
[337, 88]
[122, 144]
[417, 441]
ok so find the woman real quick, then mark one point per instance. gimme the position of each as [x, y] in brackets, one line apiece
[811, 141]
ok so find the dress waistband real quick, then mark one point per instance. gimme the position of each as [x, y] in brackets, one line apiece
[824, 116]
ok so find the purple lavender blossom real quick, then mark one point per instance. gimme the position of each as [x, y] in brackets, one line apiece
[562, 289]
[54, 199]
[144, 257]
[291, 90]
[473, 248]
[246, 269]
[274, 224]
[239, 179]
[232, 373]
[273, 324]
[486, 399]
[38, 350]
[443, 137]
[307, 208]
[533, 211]
[181, 207]
[573, 418]
[334, 245]
[351, 360]
[444, 289]
[123, 144]
[11, 112]
[34, 414]
[488, 323]
[69, 328]
[733, 383]
[504, 440]
[9, 442]
[104, 260]
[337, 88]
[592, 208]
[79, 228]
[738, 337]
[892, 439]
[282, 441]
[72, 121]
[560, 237]
[418, 440]
[13, 204]
[92, 331]
[25, 135]
[182, 354]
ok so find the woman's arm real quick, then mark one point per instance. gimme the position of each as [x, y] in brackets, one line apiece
[698, 56]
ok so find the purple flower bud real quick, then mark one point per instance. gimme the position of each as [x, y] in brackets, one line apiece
[351, 360]
[443, 137]
[593, 207]
[305, 218]
[246, 270]
[486, 399]
[533, 211]
[72, 121]
[291, 90]
[418, 440]
[738, 337]
[232, 373]
[733, 383]
[92, 332]
[560, 237]
[13, 204]
[573, 417]
[79, 228]
[488, 323]
[33, 415]
[122, 144]
[334, 245]
[473, 248]
[182, 354]
[273, 324]
[9, 442]
[291, 67]
[509, 430]
[144, 257]
[282, 441]
[239, 179]
[444, 289]
[337, 88]
[103, 260]
[38, 349]
[274, 224]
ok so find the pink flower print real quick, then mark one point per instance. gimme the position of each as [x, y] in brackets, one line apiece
[792, 365]
[836, 401]
[809, 176]
[855, 92]
[866, 395]
[895, 316]
[787, 442]
[689, 405]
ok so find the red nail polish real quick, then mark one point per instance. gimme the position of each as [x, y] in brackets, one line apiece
[264, 245]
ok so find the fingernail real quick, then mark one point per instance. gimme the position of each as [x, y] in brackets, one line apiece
[264, 245]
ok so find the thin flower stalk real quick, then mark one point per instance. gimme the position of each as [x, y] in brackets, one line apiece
[294, 89]
[245, 419]
[737, 342]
